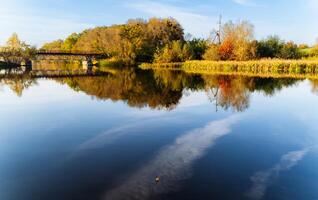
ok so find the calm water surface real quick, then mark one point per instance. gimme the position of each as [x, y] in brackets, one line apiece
[203, 136]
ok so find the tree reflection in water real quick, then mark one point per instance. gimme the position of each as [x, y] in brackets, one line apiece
[314, 86]
[160, 89]
[16, 81]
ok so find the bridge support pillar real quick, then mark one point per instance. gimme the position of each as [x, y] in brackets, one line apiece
[87, 64]
[26, 65]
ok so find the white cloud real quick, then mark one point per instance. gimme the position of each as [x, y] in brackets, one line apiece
[261, 180]
[112, 135]
[242, 2]
[172, 163]
[248, 3]
[193, 22]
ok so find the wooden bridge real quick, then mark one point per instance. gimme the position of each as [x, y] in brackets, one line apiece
[42, 52]
[63, 55]
[18, 58]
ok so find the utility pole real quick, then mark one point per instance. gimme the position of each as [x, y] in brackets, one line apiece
[219, 31]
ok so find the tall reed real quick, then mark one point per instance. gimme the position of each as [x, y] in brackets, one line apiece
[270, 67]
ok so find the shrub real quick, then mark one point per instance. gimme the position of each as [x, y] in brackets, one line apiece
[175, 52]
[196, 48]
[270, 47]
[246, 51]
[289, 51]
[212, 53]
[226, 49]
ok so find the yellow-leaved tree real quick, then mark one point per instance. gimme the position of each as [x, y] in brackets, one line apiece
[237, 42]
[16, 51]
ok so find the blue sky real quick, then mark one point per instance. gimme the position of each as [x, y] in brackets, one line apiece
[39, 21]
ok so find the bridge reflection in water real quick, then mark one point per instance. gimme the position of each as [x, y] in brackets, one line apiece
[86, 59]
[50, 71]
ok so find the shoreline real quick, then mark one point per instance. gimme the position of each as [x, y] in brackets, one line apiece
[259, 68]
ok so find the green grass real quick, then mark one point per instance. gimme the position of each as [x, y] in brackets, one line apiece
[309, 53]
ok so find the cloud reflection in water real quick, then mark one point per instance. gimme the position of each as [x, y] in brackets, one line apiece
[262, 180]
[172, 164]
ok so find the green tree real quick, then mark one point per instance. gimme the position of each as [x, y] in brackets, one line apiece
[70, 42]
[270, 47]
[175, 52]
[290, 51]
[197, 48]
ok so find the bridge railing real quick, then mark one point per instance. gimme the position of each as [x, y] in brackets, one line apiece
[80, 53]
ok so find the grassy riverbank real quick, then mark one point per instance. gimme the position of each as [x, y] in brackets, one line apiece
[265, 68]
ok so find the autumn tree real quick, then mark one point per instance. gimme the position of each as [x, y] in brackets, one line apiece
[56, 45]
[239, 37]
[237, 42]
[70, 42]
[134, 44]
[141, 39]
[16, 51]
[163, 31]
[226, 49]
[136, 41]
[212, 53]
[14, 43]
[104, 40]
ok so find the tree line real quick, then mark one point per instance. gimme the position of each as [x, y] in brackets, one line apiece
[136, 41]
[162, 40]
